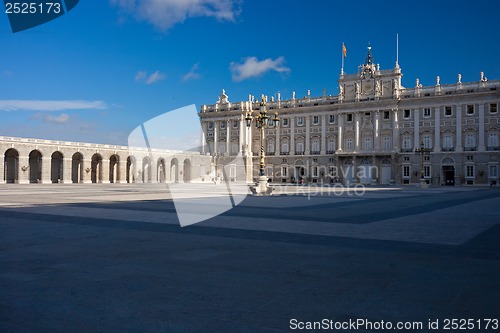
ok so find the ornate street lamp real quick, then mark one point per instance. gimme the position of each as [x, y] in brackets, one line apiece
[262, 120]
[422, 151]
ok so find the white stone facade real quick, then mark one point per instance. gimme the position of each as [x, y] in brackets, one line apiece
[369, 132]
[48, 161]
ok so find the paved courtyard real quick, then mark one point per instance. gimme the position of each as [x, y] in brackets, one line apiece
[113, 258]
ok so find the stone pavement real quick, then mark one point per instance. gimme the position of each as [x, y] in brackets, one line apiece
[113, 258]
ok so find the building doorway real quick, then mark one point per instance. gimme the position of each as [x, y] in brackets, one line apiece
[449, 175]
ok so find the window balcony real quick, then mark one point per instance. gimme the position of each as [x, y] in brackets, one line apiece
[470, 148]
[448, 149]
[285, 153]
[299, 153]
[407, 150]
[270, 153]
[315, 153]
[330, 152]
[493, 148]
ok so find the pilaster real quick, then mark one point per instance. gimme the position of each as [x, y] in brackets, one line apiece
[67, 171]
[307, 149]
[323, 135]
[458, 143]
[481, 146]
[437, 130]
[46, 169]
[416, 128]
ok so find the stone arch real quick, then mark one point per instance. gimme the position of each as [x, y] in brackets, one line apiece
[130, 169]
[35, 166]
[448, 161]
[114, 168]
[77, 168]
[11, 165]
[56, 167]
[186, 171]
[161, 170]
[146, 170]
[174, 170]
[96, 168]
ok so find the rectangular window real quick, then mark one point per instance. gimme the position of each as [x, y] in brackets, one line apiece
[300, 148]
[300, 121]
[222, 125]
[387, 142]
[315, 171]
[348, 144]
[427, 171]
[210, 125]
[470, 110]
[407, 142]
[493, 171]
[493, 108]
[235, 123]
[285, 122]
[469, 171]
[406, 114]
[315, 120]
[427, 141]
[447, 111]
[284, 171]
[367, 144]
[387, 115]
[407, 158]
[427, 112]
[331, 119]
[470, 158]
[349, 117]
[406, 171]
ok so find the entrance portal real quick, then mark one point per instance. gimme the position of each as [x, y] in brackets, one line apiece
[449, 175]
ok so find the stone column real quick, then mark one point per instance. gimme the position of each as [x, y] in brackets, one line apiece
[437, 130]
[46, 169]
[228, 137]
[216, 134]
[24, 176]
[376, 133]
[416, 128]
[2, 170]
[458, 144]
[105, 171]
[307, 150]
[67, 171]
[292, 136]
[87, 165]
[122, 170]
[277, 143]
[154, 168]
[340, 119]
[241, 139]
[395, 130]
[357, 132]
[203, 140]
[323, 135]
[481, 146]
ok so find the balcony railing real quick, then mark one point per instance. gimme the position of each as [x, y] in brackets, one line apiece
[493, 148]
[330, 152]
[407, 150]
[315, 153]
[470, 148]
[448, 149]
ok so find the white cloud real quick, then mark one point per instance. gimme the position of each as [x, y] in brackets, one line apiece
[37, 105]
[192, 74]
[252, 67]
[60, 119]
[164, 14]
[142, 76]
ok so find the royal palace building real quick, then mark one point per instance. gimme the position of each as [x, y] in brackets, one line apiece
[375, 131]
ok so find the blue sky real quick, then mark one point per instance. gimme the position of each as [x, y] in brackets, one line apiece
[107, 66]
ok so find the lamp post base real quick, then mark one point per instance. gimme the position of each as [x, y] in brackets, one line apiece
[423, 183]
[262, 188]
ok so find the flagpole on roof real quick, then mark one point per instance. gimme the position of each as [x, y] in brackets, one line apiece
[343, 56]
